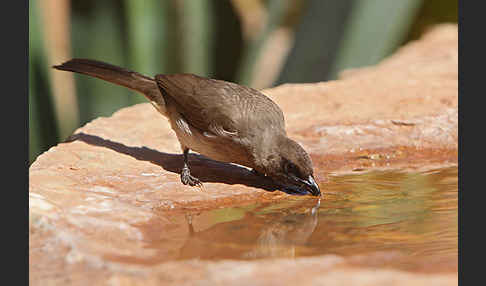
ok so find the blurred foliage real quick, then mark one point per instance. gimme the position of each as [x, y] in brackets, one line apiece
[317, 38]
[374, 30]
[432, 13]
[42, 124]
[276, 12]
[218, 39]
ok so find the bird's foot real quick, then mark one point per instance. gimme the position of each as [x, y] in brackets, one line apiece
[188, 179]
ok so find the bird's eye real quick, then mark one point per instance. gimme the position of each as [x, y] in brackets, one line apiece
[290, 168]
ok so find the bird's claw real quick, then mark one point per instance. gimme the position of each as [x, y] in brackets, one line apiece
[188, 179]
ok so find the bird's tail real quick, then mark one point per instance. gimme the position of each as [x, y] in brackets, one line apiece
[118, 75]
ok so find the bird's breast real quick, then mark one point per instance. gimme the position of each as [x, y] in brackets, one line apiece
[209, 144]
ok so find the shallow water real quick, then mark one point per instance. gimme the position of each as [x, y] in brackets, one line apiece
[401, 220]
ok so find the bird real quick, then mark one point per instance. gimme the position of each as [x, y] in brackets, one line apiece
[219, 119]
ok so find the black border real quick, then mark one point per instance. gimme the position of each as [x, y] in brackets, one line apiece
[15, 144]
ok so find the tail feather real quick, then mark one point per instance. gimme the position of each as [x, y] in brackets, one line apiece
[117, 75]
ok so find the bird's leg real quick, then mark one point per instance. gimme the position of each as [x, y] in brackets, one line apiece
[186, 177]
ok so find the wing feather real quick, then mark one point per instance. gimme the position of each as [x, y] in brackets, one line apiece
[220, 107]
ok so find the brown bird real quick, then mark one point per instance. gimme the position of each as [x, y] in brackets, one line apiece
[218, 119]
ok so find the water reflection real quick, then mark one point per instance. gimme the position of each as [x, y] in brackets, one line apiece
[397, 219]
[266, 231]
[283, 234]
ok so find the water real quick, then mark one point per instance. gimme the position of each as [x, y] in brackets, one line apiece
[387, 219]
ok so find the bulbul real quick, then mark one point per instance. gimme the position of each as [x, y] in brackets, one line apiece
[221, 120]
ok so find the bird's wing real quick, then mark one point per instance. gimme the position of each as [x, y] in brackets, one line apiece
[220, 107]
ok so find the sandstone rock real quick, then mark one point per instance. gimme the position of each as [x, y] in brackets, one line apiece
[88, 196]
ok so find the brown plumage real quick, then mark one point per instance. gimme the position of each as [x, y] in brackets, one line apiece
[218, 119]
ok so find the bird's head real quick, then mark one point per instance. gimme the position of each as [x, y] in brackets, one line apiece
[291, 166]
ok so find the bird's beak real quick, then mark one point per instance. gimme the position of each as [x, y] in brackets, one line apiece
[312, 186]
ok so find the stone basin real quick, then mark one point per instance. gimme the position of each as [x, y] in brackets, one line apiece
[107, 205]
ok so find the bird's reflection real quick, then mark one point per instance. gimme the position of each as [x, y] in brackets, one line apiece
[259, 234]
[282, 235]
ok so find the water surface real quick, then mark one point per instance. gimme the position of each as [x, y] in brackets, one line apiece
[396, 219]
